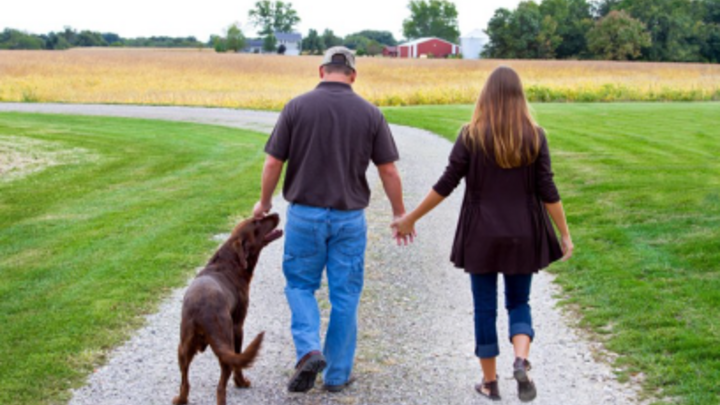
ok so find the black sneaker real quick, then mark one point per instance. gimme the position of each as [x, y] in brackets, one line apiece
[526, 386]
[306, 372]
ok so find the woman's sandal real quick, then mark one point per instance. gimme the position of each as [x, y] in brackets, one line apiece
[489, 389]
[526, 386]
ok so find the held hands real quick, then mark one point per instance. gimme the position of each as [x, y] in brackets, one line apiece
[403, 230]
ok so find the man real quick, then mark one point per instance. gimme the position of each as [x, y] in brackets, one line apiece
[328, 138]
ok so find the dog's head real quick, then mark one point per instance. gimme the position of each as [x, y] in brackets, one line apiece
[250, 237]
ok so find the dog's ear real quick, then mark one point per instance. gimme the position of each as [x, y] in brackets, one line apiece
[241, 248]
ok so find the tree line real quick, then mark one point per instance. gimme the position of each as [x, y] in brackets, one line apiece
[270, 17]
[69, 38]
[649, 30]
[428, 18]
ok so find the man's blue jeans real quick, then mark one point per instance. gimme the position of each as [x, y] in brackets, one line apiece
[316, 238]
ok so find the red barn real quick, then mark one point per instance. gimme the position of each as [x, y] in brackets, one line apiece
[430, 47]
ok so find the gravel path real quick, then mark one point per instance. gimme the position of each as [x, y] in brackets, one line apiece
[416, 325]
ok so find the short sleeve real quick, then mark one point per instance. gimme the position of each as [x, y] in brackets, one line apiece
[384, 149]
[457, 168]
[544, 182]
[278, 145]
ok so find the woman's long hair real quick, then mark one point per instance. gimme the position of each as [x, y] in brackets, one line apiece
[501, 124]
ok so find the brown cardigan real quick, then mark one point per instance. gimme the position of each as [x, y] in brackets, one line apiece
[503, 227]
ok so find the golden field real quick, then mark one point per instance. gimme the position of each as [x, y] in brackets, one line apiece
[205, 78]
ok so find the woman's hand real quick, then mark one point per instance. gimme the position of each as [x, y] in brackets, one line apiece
[567, 247]
[403, 230]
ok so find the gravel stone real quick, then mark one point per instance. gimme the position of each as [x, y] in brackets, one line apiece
[416, 343]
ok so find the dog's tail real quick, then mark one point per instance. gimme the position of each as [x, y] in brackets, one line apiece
[244, 359]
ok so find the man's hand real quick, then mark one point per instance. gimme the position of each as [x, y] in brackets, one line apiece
[261, 210]
[270, 176]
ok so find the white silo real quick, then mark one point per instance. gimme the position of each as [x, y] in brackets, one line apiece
[473, 43]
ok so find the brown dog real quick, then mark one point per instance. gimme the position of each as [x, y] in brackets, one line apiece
[216, 303]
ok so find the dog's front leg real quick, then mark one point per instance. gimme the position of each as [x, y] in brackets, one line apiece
[239, 378]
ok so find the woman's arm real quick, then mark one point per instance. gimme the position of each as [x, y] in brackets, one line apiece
[457, 168]
[557, 213]
[406, 225]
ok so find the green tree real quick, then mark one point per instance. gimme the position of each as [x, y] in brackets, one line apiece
[527, 25]
[432, 18]
[111, 38]
[235, 39]
[89, 38]
[15, 39]
[383, 37]
[500, 38]
[330, 39]
[601, 8]
[673, 27]
[218, 43]
[548, 39]
[618, 36]
[710, 47]
[556, 28]
[56, 42]
[70, 36]
[313, 43]
[574, 20]
[270, 43]
[522, 34]
[358, 43]
[273, 16]
[374, 48]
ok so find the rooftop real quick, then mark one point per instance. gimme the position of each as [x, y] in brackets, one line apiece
[420, 40]
[288, 36]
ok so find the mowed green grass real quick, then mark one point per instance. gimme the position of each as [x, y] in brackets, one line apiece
[89, 246]
[641, 187]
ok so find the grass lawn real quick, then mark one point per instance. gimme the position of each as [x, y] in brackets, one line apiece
[124, 212]
[641, 186]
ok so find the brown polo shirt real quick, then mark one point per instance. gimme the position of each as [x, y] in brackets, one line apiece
[328, 138]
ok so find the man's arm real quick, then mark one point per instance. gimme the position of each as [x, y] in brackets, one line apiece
[393, 189]
[270, 177]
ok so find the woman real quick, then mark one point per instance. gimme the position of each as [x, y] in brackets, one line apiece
[503, 228]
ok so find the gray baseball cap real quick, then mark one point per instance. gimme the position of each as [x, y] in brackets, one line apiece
[339, 55]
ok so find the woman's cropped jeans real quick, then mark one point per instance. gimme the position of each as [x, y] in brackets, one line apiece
[517, 296]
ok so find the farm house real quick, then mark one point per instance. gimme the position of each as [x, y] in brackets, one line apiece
[428, 47]
[291, 41]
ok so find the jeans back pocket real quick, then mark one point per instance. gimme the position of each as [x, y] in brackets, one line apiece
[301, 238]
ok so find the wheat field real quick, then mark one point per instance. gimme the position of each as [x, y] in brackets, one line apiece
[205, 78]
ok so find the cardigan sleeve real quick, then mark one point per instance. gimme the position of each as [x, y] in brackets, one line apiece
[544, 181]
[457, 168]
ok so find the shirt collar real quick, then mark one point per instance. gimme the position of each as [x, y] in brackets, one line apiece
[334, 86]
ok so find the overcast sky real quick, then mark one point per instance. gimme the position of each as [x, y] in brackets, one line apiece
[133, 18]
